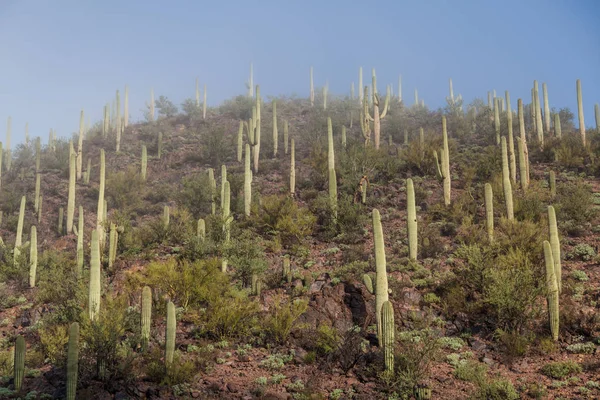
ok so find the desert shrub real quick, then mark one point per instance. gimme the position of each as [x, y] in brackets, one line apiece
[53, 342]
[582, 251]
[283, 317]
[281, 217]
[570, 152]
[195, 194]
[165, 107]
[15, 271]
[109, 341]
[59, 287]
[415, 354]
[561, 369]
[346, 349]
[123, 189]
[238, 108]
[218, 308]
[180, 228]
[418, 158]
[502, 285]
[58, 159]
[574, 202]
[497, 389]
[216, 147]
[348, 227]
[532, 204]
[190, 109]
[247, 256]
[179, 372]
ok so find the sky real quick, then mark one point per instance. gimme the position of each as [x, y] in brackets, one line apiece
[61, 56]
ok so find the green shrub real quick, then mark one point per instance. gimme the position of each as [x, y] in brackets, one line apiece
[195, 194]
[281, 217]
[282, 318]
[583, 252]
[561, 369]
[574, 202]
[247, 256]
[581, 348]
[124, 189]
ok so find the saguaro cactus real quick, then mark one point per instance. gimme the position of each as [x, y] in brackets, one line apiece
[213, 190]
[381, 287]
[146, 315]
[446, 164]
[39, 216]
[555, 245]
[227, 217]
[80, 237]
[19, 236]
[170, 334]
[293, 168]
[72, 361]
[333, 192]
[343, 136]
[94, 291]
[223, 180]
[557, 126]
[377, 117]
[36, 200]
[522, 147]
[388, 331]
[546, 107]
[247, 182]
[497, 119]
[286, 135]
[411, 217]
[552, 181]
[33, 256]
[201, 229]
[580, 112]
[240, 141]
[71, 196]
[508, 199]
[144, 162]
[538, 115]
[61, 218]
[275, 130]
[80, 146]
[489, 211]
[112, 245]
[552, 288]
[166, 217]
[100, 210]
[330, 148]
[511, 149]
[19, 363]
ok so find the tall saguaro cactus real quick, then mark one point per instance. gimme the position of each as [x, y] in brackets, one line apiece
[508, 199]
[555, 245]
[446, 164]
[38, 183]
[489, 211]
[144, 162]
[170, 334]
[511, 149]
[522, 147]
[377, 117]
[388, 333]
[213, 190]
[247, 182]
[580, 112]
[275, 130]
[71, 197]
[381, 285]
[546, 107]
[33, 256]
[286, 134]
[293, 168]
[100, 210]
[411, 217]
[72, 361]
[146, 315]
[19, 236]
[80, 256]
[552, 291]
[94, 291]
[19, 363]
[80, 146]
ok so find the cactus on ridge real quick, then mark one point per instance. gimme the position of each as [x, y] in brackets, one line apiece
[146, 316]
[19, 236]
[411, 217]
[94, 290]
[171, 328]
[552, 181]
[555, 245]
[381, 287]
[489, 211]
[508, 198]
[579, 113]
[19, 363]
[144, 162]
[33, 256]
[552, 291]
[72, 361]
[388, 331]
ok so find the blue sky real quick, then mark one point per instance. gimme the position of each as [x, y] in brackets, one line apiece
[64, 55]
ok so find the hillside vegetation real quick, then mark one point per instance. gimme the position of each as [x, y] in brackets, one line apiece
[291, 248]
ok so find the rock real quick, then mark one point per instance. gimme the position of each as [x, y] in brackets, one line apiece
[477, 345]
[272, 395]
[233, 388]
[488, 360]
[195, 394]
[411, 296]
[121, 396]
[300, 355]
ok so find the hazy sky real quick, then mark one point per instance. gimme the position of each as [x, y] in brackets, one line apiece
[61, 56]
